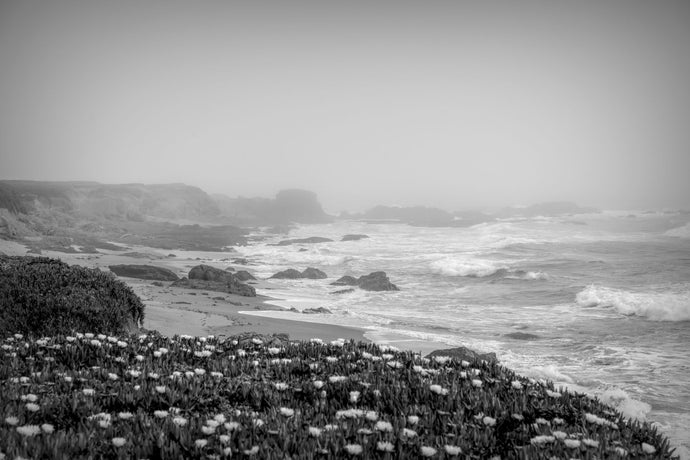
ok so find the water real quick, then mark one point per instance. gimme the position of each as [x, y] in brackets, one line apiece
[606, 295]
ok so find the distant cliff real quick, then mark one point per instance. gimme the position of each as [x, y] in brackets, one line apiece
[289, 206]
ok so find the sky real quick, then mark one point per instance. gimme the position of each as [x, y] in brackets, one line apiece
[455, 104]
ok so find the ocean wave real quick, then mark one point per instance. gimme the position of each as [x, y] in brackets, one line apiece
[679, 232]
[528, 275]
[621, 401]
[654, 306]
[466, 267]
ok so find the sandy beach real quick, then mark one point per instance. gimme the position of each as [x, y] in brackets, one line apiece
[174, 310]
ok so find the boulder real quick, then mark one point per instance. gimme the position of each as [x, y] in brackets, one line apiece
[354, 237]
[312, 311]
[342, 291]
[289, 274]
[144, 272]
[464, 353]
[376, 281]
[240, 261]
[244, 275]
[310, 240]
[314, 274]
[208, 273]
[346, 280]
[230, 269]
[521, 336]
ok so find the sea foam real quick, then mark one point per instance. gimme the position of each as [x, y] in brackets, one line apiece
[679, 232]
[476, 268]
[655, 306]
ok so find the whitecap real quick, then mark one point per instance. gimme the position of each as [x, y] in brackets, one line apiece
[655, 306]
[478, 268]
[679, 232]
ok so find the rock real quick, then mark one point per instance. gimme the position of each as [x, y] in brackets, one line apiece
[312, 311]
[208, 273]
[521, 336]
[346, 280]
[354, 237]
[342, 291]
[310, 240]
[218, 298]
[230, 269]
[240, 261]
[464, 353]
[144, 272]
[140, 255]
[289, 274]
[234, 286]
[157, 284]
[376, 281]
[314, 274]
[302, 250]
[244, 275]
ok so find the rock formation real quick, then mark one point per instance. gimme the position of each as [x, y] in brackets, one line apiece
[144, 272]
[215, 279]
[375, 281]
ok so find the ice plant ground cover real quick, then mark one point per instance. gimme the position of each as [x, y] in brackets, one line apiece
[149, 396]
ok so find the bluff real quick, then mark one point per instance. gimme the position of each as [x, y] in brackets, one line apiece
[288, 206]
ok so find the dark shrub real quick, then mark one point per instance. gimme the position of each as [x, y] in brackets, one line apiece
[42, 296]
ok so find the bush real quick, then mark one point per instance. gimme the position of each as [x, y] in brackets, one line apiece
[41, 296]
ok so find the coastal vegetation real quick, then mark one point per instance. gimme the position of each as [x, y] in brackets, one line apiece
[87, 395]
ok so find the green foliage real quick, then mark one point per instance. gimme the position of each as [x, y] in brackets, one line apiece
[153, 397]
[42, 296]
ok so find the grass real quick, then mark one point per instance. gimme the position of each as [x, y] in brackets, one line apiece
[149, 396]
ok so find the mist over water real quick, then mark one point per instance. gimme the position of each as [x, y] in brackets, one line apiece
[604, 306]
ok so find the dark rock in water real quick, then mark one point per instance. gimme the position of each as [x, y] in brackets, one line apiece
[172, 255]
[144, 272]
[157, 284]
[314, 274]
[219, 298]
[302, 250]
[289, 274]
[312, 311]
[376, 281]
[521, 336]
[208, 273]
[230, 269]
[465, 353]
[310, 240]
[140, 255]
[346, 280]
[343, 291]
[240, 261]
[354, 237]
[244, 275]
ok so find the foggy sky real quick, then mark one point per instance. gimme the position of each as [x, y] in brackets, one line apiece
[453, 104]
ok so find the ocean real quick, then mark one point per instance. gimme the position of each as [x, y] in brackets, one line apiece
[602, 301]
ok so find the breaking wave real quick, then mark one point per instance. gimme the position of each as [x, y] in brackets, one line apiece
[679, 232]
[464, 267]
[654, 306]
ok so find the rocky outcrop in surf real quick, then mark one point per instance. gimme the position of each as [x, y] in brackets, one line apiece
[310, 240]
[354, 237]
[375, 281]
[214, 279]
[308, 273]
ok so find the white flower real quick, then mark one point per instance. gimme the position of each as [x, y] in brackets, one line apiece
[274, 350]
[125, 415]
[354, 396]
[559, 434]
[212, 423]
[489, 421]
[32, 407]
[134, 373]
[154, 375]
[316, 340]
[331, 359]
[452, 450]
[28, 430]
[371, 415]
[47, 428]
[119, 442]
[70, 339]
[318, 384]
[231, 426]
[258, 423]
[476, 383]
[384, 446]
[199, 371]
[394, 364]
[257, 341]
[542, 421]
[442, 359]
[590, 443]
[208, 430]
[353, 449]
[157, 354]
[553, 394]
[160, 388]
[253, 451]
[427, 451]
[558, 421]
[412, 419]
[139, 358]
[438, 389]
[137, 387]
[241, 353]
[219, 418]
[315, 432]
[29, 397]
[227, 451]
[160, 413]
[571, 443]
[88, 391]
[365, 431]
[96, 343]
[408, 433]
[104, 423]
[620, 451]
[180, 421]
[281, 386]
[112, 376]
[383, 426]
[88, 335]
[541, 439]
[287, 412]
[121, 344]
[217, 375]
[224, 438]
[200, 443]
[516, 384]
[67, 378]
[648, 448]
[11, 420]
